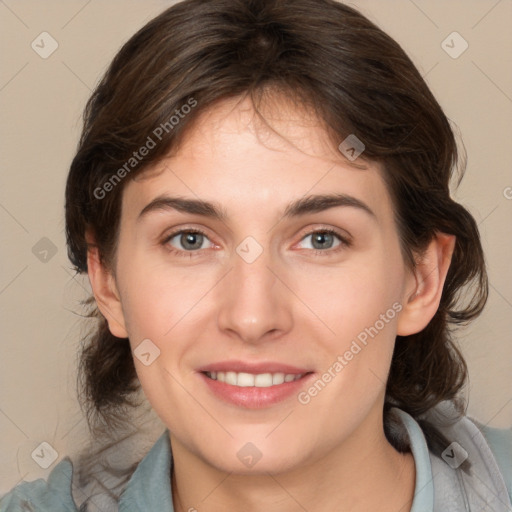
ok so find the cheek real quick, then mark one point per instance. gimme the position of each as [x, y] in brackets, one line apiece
[160, 300]
[353, 296]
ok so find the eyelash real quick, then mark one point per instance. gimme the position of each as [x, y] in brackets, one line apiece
[344, 242]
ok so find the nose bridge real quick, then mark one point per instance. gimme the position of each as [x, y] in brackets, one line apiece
[255, 301]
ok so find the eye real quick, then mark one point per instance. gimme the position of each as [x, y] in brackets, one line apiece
[185, 240]
[323, 240]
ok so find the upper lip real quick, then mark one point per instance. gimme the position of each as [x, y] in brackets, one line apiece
[251, 367]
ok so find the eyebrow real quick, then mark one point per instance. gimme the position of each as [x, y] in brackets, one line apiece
[309, 204]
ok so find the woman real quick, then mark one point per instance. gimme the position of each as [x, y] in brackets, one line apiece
[261, 201]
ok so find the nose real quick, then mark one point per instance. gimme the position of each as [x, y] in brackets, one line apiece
[255, 303]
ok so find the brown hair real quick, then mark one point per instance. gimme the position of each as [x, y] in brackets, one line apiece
[359, 81]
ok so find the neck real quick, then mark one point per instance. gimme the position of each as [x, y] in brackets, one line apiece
[355, 477]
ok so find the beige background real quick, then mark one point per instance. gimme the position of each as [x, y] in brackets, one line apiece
[41, 102]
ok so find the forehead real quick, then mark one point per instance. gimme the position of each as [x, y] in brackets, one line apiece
[278, 123]
[232, 155]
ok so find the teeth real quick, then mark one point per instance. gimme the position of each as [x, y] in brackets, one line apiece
[260, 380]
[230, 378]
[277, 378]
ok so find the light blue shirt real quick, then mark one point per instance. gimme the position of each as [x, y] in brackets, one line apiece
[149, 489]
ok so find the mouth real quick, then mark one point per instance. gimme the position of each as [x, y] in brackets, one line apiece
[259, 380]
[253, 385]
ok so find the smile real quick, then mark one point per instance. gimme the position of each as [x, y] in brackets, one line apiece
[259, 380]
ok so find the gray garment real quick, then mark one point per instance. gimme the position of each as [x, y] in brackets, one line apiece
[444, 486]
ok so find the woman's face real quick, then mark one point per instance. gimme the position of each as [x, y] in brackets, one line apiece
[259, 293]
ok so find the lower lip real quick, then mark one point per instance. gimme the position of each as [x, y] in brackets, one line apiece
[253, 397]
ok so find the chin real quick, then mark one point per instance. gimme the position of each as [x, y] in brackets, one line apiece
[253, 458]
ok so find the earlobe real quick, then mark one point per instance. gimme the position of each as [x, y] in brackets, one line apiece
[420, 304]
[105, 291]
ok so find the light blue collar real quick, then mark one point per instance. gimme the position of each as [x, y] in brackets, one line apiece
[149, 488]
[424, 488]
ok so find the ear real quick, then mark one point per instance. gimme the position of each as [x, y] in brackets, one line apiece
[105, 290]
[425, 286]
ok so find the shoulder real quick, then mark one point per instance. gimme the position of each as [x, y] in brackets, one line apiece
[53, 495]
[500, 443]
[489, 449]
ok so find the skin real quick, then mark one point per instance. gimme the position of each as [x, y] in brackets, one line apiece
[290, 305]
